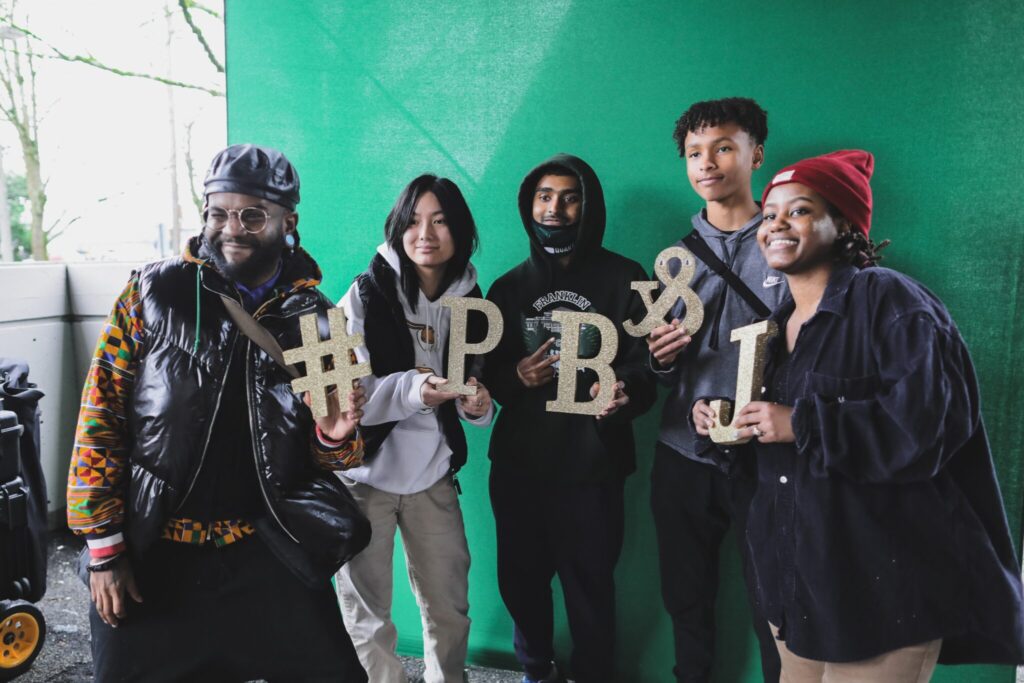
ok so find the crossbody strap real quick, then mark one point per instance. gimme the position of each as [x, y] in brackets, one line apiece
[257, 333]
[699, 248]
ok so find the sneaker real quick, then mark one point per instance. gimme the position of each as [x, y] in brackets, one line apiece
[554, 676]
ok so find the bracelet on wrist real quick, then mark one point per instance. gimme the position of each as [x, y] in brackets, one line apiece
[331, 442]
[103, 565]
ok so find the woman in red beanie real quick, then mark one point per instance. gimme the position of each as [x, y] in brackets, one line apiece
[878, 535]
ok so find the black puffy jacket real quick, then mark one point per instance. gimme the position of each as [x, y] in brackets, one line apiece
[177, 394]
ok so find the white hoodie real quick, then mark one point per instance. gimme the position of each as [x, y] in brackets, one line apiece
[415, 455]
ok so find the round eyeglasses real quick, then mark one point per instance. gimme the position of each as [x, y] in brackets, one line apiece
[253, 219]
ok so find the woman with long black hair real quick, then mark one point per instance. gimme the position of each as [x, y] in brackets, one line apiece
[878, 535]
[414, 443]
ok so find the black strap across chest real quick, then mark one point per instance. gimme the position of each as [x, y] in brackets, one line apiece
[699, 248]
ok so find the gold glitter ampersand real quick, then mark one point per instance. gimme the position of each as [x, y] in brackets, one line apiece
[676, 287]
[459, 348]
[314, 351]
[569, 362]
[753, 341]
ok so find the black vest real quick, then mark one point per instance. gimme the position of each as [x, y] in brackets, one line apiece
[178, 390]
[389, 344]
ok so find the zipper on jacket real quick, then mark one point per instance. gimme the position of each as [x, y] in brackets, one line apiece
[274, 316]
[209, 430]
[255, 447]
[455, 480]
[216, 406]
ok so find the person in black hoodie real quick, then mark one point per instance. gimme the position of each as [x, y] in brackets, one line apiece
[556, 478]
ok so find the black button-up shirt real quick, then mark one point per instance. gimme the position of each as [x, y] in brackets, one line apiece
[883, 525]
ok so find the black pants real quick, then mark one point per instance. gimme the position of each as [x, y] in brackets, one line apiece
[575, 531]
[693, 505]
[224, 614]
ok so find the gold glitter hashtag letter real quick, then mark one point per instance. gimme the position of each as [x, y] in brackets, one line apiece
[339, 347]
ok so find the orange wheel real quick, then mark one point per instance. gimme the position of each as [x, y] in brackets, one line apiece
[22, 631]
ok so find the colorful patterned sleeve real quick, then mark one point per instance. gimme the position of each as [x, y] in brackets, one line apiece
[98, 470]
[337, 455]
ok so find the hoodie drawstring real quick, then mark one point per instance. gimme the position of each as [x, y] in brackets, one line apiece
[195, 344]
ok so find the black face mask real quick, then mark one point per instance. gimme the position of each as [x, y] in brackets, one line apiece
[556, 240]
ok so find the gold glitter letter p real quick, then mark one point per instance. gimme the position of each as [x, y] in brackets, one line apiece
[459, 348]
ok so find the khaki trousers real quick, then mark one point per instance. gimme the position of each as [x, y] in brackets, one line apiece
[913, 664]
[437, 558]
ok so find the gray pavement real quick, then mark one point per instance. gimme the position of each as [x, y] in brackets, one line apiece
[65, 656]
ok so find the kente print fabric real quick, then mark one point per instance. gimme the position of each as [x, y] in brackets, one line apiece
[98, 471]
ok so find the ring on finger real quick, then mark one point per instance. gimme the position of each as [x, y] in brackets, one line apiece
[757, 432]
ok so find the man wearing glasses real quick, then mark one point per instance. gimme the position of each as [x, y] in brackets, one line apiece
[196, 473]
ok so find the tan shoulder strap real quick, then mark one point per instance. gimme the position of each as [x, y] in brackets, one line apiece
[257, 333]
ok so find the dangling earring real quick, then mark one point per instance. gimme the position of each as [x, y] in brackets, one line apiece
[289, 240]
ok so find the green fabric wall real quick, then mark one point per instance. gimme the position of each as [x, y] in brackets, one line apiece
[363, 96]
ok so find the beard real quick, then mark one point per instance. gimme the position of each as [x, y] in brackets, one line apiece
[255, 269]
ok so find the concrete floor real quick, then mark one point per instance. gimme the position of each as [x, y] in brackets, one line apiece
[66, 659]
[65, 656]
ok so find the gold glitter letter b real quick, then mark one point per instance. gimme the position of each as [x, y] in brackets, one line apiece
[565, 398]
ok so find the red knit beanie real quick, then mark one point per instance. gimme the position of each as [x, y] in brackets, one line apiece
[840, 177]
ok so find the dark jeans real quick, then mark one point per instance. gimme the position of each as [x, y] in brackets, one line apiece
[224, 614]
[693, 505]
[574, 531]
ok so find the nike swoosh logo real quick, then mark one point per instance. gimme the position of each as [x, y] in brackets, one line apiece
[771, 281]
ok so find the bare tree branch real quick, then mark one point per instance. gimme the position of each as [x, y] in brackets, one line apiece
[186, 6]
[21, 52]
[53, 232]
[204, 9]
[197, 198]
[9, 106]
[93, 62]
[34, 103]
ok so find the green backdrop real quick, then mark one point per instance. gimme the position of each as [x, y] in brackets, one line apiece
[363, 96]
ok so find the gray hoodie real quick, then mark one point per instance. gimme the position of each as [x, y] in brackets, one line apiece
[708, 366]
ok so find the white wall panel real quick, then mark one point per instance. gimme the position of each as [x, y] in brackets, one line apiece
[51, 315]
[93, 287]
[30, 291]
